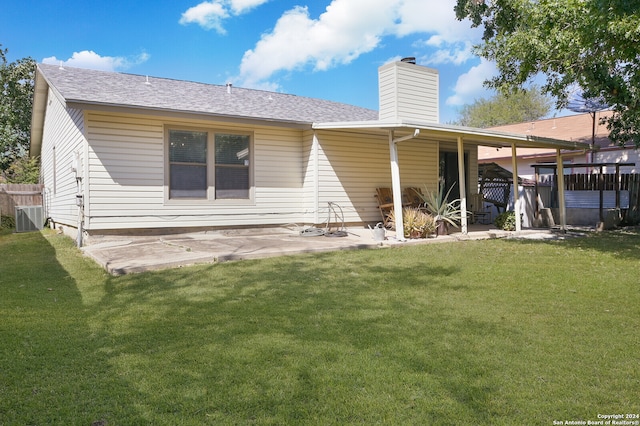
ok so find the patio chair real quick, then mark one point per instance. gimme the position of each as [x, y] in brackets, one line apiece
[479, 213]
[384, 196]
[412, 197]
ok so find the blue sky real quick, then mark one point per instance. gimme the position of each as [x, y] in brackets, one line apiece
[329, 49]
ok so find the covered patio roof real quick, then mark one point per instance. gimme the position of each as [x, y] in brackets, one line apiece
[405, 130]
[446, 132]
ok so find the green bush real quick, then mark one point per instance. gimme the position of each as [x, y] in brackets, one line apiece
[7, 222]
[506, 221]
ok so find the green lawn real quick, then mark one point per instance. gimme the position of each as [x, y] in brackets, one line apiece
[495, 332]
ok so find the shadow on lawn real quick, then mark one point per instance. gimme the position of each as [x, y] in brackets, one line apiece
[55, 371]
[297, 338]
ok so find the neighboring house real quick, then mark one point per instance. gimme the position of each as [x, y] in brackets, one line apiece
[603, 154]
[125, 153]
[579, 128]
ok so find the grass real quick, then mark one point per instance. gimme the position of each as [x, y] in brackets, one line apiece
[491, 332]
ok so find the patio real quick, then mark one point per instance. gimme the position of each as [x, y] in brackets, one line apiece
[123, 254]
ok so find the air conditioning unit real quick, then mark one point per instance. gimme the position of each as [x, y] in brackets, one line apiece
[29, 218]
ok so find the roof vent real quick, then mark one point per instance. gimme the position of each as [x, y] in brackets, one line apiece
[409, 60]
[229, 86]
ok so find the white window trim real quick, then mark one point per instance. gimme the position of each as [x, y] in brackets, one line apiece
[211, 189]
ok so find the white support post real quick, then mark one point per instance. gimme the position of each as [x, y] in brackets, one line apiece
[315, 149]
[561, 203]
[516, 188]
[396, 187]
[463, 186]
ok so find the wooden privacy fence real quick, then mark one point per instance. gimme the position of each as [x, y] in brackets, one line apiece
[13, 194]
[592, 182]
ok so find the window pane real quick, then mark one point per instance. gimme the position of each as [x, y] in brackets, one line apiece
[232, 166]
[188, 181]
[232, 149]
[187, 164]
[232, 182]
[187, 147]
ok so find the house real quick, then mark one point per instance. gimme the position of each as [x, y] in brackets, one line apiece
[580, 128]
[130, 153]
[604, 157]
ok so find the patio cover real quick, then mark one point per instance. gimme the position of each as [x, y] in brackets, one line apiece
[404, 130]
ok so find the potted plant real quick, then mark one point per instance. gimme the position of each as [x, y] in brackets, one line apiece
[444, 212]
[416, 223]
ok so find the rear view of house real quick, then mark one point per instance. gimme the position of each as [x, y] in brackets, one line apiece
[126, 153]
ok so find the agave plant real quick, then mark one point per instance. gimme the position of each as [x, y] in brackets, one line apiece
[441, 209]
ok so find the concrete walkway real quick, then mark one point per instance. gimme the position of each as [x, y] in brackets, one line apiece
[130, 254]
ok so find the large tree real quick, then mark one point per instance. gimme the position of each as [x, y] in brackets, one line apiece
[590, 44]
[16, 100]
[524, 105]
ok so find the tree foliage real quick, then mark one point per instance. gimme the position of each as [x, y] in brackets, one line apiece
[23, 170]
[16, 100]
[593, 44]
[524, 105]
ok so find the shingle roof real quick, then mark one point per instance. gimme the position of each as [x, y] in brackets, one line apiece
[86, 86]
[577, 127]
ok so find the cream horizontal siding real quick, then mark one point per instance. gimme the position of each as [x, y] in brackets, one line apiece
[127, 174]
[62, 138]
[277, 176]
[310, 177]
[124, 152]
[388, 99]
[408, 91]
[352, 166]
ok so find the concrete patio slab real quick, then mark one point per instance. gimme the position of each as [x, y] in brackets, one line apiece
[120, 254]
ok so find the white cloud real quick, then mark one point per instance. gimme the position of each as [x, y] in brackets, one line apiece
[90, 59]
[469, 86]
[210, 14]
[456, 54]
[242, 6]
[350, 28]
[347, 29]
[435, 17]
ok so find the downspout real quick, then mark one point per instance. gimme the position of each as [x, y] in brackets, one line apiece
[561, 202]
[516, 188]
[395, 180]
[462, 184]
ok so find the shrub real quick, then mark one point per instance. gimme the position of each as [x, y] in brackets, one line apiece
[506, 221]
[7, 222]
[416, 223]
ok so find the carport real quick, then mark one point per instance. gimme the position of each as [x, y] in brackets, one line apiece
[408, 132]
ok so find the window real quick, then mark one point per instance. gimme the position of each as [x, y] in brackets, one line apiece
[205, 164]
[187, 164]
[232, 166]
